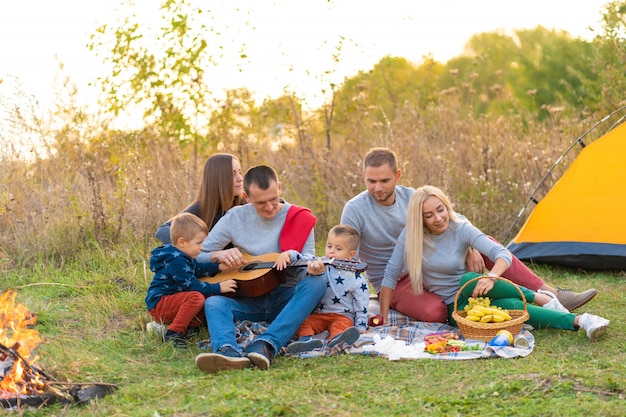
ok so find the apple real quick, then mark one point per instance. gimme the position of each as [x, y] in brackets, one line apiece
[376, 320]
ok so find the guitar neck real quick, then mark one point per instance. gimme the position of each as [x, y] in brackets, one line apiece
[355, 266]
[258, 276]
[294, 264]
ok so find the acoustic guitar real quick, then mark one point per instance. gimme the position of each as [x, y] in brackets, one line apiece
[258, 276]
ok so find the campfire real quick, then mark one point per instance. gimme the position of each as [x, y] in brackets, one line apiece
[22, 382]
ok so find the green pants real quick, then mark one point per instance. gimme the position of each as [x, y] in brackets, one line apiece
[506, 296]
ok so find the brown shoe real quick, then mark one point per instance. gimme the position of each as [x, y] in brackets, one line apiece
[572, 300]
[225, 358]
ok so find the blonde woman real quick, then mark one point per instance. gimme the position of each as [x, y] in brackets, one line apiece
[432, 248]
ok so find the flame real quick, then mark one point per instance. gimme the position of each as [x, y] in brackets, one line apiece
[17, 333]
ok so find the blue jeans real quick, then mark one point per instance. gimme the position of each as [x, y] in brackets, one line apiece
[285, 308]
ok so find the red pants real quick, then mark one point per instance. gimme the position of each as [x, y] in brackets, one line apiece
[318, 322]
[180, 310]
[423, 307]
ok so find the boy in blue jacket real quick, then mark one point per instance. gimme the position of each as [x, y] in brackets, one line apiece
[176, 295]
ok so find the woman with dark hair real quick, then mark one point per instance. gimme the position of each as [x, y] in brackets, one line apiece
[220, 189]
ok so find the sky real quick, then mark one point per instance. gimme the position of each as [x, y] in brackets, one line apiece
[289, 43]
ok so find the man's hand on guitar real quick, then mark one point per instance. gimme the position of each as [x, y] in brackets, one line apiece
[232, 258]
[315, 267]
[230, 285]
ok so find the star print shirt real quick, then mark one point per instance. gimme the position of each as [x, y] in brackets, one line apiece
[176, 272]
[347, 293]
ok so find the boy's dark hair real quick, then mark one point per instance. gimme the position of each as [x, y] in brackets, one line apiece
[376, 157]
[187, 226]
[261, 176]
[349, 232]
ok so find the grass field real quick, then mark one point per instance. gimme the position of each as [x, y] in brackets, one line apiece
[92, 321]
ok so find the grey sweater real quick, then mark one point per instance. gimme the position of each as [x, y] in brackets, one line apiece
[379, 228]
[443, 263]
[252, 234]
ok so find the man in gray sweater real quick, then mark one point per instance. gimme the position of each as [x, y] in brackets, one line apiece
[379, 215]
[266, 225]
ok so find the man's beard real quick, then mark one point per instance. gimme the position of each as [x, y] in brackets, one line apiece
[383, 199]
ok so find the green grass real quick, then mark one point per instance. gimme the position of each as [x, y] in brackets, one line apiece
[92, 320]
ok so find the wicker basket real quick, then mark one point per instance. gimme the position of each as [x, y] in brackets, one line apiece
[487, 331]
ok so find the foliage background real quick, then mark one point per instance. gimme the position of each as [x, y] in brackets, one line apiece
[78, 211]
[486, 126]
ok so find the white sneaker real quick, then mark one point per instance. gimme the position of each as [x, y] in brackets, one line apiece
[156, 328]
[594, 325]
[554, 303]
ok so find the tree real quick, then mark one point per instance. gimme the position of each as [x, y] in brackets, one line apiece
[534, 70]
[555, 66]
[610, 59]
[160, 68]
[478, 76]
[366, 104]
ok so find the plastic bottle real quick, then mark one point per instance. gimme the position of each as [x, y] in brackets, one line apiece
[500, 340]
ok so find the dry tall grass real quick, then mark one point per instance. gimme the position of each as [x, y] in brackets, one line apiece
[110, 186]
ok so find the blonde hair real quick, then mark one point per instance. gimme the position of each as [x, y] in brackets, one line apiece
[417, 234]
[186, 225]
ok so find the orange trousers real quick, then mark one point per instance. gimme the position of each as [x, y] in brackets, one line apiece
[318, 322]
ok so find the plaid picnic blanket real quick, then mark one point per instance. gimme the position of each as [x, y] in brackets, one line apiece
[402, 338]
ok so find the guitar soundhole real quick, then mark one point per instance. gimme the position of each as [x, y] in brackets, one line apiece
[249, 267]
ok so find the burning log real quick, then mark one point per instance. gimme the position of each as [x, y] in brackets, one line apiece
[16, 374]
[23, 383]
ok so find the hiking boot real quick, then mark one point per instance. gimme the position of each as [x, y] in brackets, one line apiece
[554, 303]
[348, 336]
[175, 338]
[225, 358]
[191, 332]
[260, 354]
[572, 300]
[595, 326]
[304, 345]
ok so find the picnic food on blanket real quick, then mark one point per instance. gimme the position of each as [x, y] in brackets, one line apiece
[506, 333]
[376, 320]
[480, 309]
[477, 301]
[502, 338]
[520, 342]
[445, 335]
[440, 344]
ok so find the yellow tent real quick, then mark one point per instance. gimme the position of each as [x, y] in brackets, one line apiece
[581, 221]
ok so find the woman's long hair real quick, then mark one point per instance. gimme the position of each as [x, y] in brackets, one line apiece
[216, 192]
[417, 234]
